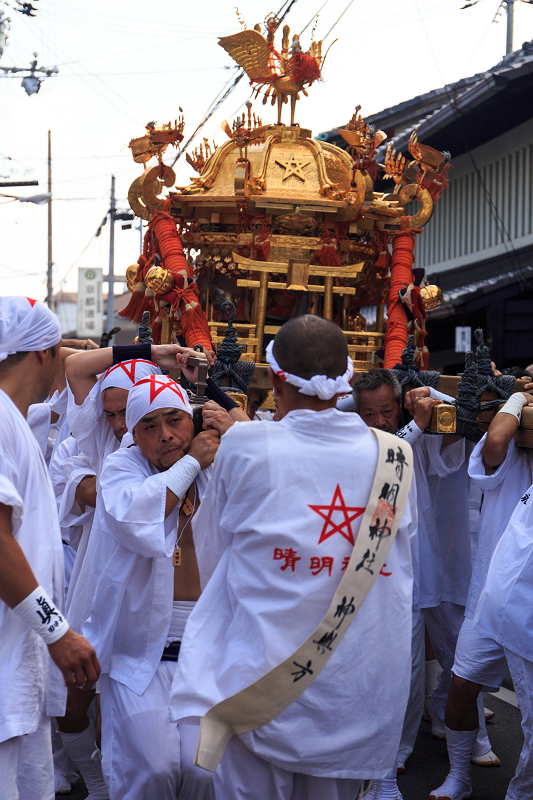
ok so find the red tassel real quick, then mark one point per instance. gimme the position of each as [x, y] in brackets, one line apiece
[195, 329]
[145, 307]
[135, 305]
[157, 327]
[382, 264]
[262, 250]
[327, 256]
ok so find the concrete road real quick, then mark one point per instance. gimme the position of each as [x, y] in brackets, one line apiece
[428, 766]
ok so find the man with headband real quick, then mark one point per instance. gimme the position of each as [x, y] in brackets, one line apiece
[32, 626]
[291, 528]
[142, 582]
[99, 383]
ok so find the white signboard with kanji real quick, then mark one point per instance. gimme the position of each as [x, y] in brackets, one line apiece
[90, 317]
[463, 339]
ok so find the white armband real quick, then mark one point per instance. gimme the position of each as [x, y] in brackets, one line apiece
[514, 406]
[41, 615]
[444, 398]
[346, 403]
[181, 474]
[410, 432]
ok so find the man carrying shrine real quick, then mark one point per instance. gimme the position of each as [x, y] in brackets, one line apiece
[98, 382]
[504, 473]
[33, 629]
[302, 520]
[142, 579]
[377, 397]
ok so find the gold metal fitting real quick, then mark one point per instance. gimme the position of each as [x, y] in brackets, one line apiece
[239, 398]
[431, 297]
[160, 280]
[443, 419]
[131, 276]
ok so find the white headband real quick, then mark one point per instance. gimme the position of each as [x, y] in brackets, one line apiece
[319, 385]
[124, 374]
[26, 325]
[152, 393]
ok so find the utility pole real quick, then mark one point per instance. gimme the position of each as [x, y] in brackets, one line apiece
[50, 263]
[111, 275]
[114, 215]
[30, 83]
[510, 15]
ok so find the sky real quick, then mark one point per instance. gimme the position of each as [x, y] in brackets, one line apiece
[122, 64]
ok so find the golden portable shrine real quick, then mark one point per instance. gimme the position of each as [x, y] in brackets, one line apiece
[281, 224]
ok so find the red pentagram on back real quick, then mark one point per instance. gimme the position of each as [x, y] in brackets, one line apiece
[349, 512]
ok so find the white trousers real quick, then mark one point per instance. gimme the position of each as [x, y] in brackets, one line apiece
[145, 755]
[26, 766]
[415, 704]
[242, 775]
[481, 660]
[444, 624]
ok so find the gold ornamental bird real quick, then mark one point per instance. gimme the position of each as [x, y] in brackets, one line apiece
[429, 159]
[285, 73]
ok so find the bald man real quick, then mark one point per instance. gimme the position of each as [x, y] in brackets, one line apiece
[273, 538]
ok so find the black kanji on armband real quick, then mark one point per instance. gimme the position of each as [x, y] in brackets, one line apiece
[47, 611]
[525, 498]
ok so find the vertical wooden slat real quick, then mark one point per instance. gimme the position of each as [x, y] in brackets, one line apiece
[261, 314]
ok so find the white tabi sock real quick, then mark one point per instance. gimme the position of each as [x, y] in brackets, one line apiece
[386, 789]
[63, 764]
[80, 747]
[457, 785]
[433, 671]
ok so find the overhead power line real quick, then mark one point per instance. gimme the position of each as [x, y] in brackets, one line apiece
[338, 20]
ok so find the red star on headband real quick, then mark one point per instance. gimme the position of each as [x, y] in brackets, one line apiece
[157, 386]
[337, 504]
[130, 371]
[31, 302]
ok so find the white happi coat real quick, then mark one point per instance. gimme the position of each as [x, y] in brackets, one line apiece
[67, 449]
[95, 440]
[49, 435]
[501, 492]
[505, 608]
[60, 430]
[432, 464]
[31, 683]
[272, 540]
[126, 583]
[453, 520]
[39, 419]
[90, 428]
